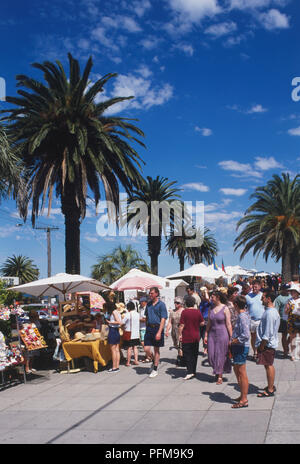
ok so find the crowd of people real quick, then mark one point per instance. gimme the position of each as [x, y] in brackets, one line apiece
[248, 314]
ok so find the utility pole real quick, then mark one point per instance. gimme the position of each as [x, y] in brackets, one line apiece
[48, 230]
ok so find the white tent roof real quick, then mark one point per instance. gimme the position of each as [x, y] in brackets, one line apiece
[237, 270]
[60, 284]
[199, 270]
[163, 281]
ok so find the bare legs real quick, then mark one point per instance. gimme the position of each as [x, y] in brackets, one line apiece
[115, 354]
[242, 379]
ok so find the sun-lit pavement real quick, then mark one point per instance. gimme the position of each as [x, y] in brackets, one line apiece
[130, 408]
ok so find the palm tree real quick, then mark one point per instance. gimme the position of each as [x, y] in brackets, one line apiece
[161, 191]
[11, 169]
[272, 224]
[177, 244]
[69, 145]
[20, 266]
[114, 265]
[207, 251]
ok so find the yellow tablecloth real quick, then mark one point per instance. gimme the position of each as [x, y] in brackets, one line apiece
[97, 350]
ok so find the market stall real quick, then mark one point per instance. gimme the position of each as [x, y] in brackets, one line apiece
[74, 317]
[97, 350]
[11, 350]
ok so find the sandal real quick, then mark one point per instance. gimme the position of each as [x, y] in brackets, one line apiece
[240, 405]
[266, 393]
[220, 381]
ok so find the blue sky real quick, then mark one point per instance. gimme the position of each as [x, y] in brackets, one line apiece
[212, 86]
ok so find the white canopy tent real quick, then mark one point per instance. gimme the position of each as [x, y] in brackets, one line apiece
[169, 289]
[200, 270]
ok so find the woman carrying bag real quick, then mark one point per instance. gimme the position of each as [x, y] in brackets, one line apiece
[131, 334]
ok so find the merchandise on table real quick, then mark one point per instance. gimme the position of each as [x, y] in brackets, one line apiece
[9, 356]
[32, 338]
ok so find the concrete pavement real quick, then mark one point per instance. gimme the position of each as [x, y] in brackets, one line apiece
[130, 408]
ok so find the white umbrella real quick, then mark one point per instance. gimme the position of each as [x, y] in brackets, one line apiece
[60, 284]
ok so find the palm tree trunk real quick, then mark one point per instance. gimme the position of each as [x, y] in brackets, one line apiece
[286, 266]
[154, 247]
[295, 262]
[181, 262]
[72, 231]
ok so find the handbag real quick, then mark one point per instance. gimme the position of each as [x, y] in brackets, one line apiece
[127, 333]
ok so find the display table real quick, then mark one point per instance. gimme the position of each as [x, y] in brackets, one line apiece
[99, 351]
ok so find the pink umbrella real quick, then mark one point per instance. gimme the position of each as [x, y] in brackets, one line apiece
[136, 283]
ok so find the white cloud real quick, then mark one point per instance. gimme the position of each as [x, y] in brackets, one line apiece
[144, 71]
[221, 217]
[266, 163]
[221, 29]
[140, 7]
[257, 109]
[205, 131]
[295, 131]
[198, 186]
[151, 42]
[231, 165]
[248, 4]
[239, 169]
[255, 4]
[274, 19]
[234, 192]
[186, 48]
[195, 10]
[121, 22]
[146, 93]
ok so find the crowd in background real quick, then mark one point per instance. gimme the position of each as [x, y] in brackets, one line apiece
[230, 321]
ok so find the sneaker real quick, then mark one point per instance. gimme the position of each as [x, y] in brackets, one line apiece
[113, 370]
[151, 368]
[153, 374]
[189, 376]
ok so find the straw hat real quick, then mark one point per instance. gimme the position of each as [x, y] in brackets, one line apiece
[120, 307]
[78, 336]
[66, 308]
[91, 337]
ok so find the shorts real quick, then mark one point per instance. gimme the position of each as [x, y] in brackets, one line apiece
[113, 336]
[253, 325]
[149, 339]
[142, 334]
[283, 326]
[239, 354]
[130, 343]
[266, 357]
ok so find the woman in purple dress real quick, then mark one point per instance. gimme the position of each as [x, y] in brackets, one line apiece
[218, 335]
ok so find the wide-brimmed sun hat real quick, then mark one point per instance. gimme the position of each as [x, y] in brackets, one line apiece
[295, 287]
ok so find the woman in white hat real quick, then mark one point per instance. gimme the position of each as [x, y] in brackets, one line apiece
[292, 308]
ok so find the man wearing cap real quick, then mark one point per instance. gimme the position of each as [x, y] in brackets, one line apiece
[292, 309]
[156, 316]
[280, 304]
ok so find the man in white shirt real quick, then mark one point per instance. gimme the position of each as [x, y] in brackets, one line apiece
[191, 292]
